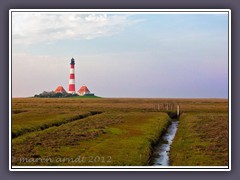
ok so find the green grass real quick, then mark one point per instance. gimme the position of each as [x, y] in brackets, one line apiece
[122, 138]
[123, 134]
[37, 122]
[201, 140]
[85, 97]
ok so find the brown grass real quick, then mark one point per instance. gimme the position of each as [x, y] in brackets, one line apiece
[125, 131]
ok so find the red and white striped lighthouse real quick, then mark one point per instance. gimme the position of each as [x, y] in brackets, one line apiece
[71, 86]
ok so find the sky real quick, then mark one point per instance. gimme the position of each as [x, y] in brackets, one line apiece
[121, 55]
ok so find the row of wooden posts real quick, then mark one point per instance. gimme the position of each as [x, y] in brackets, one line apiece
[167, 107]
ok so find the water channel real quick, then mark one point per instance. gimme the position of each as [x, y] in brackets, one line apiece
[161, 154]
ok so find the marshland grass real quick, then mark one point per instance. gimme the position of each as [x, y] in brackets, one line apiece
[123, 134]
[201, 140]
[122, 138]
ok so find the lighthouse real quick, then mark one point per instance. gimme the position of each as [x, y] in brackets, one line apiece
[71, 84]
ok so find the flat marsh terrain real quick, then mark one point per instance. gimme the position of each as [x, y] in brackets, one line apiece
[116, 131]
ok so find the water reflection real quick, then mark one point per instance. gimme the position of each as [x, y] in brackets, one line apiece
[163, 148]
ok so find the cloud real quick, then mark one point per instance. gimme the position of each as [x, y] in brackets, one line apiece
[29, 28]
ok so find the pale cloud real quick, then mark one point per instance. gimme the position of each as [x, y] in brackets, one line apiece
[29, 28]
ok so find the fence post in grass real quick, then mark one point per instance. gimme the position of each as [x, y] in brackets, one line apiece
[178, 110]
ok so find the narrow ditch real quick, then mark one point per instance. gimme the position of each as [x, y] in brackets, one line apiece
[160, 155]
[46, 126]
[18, 111]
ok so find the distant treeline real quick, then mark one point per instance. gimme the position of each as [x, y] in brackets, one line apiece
[52, 94]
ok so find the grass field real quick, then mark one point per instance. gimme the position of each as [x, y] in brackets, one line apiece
[201, 140]
[115, 132]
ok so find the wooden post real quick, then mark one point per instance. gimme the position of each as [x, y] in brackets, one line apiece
[178, 110]
[158, 107]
